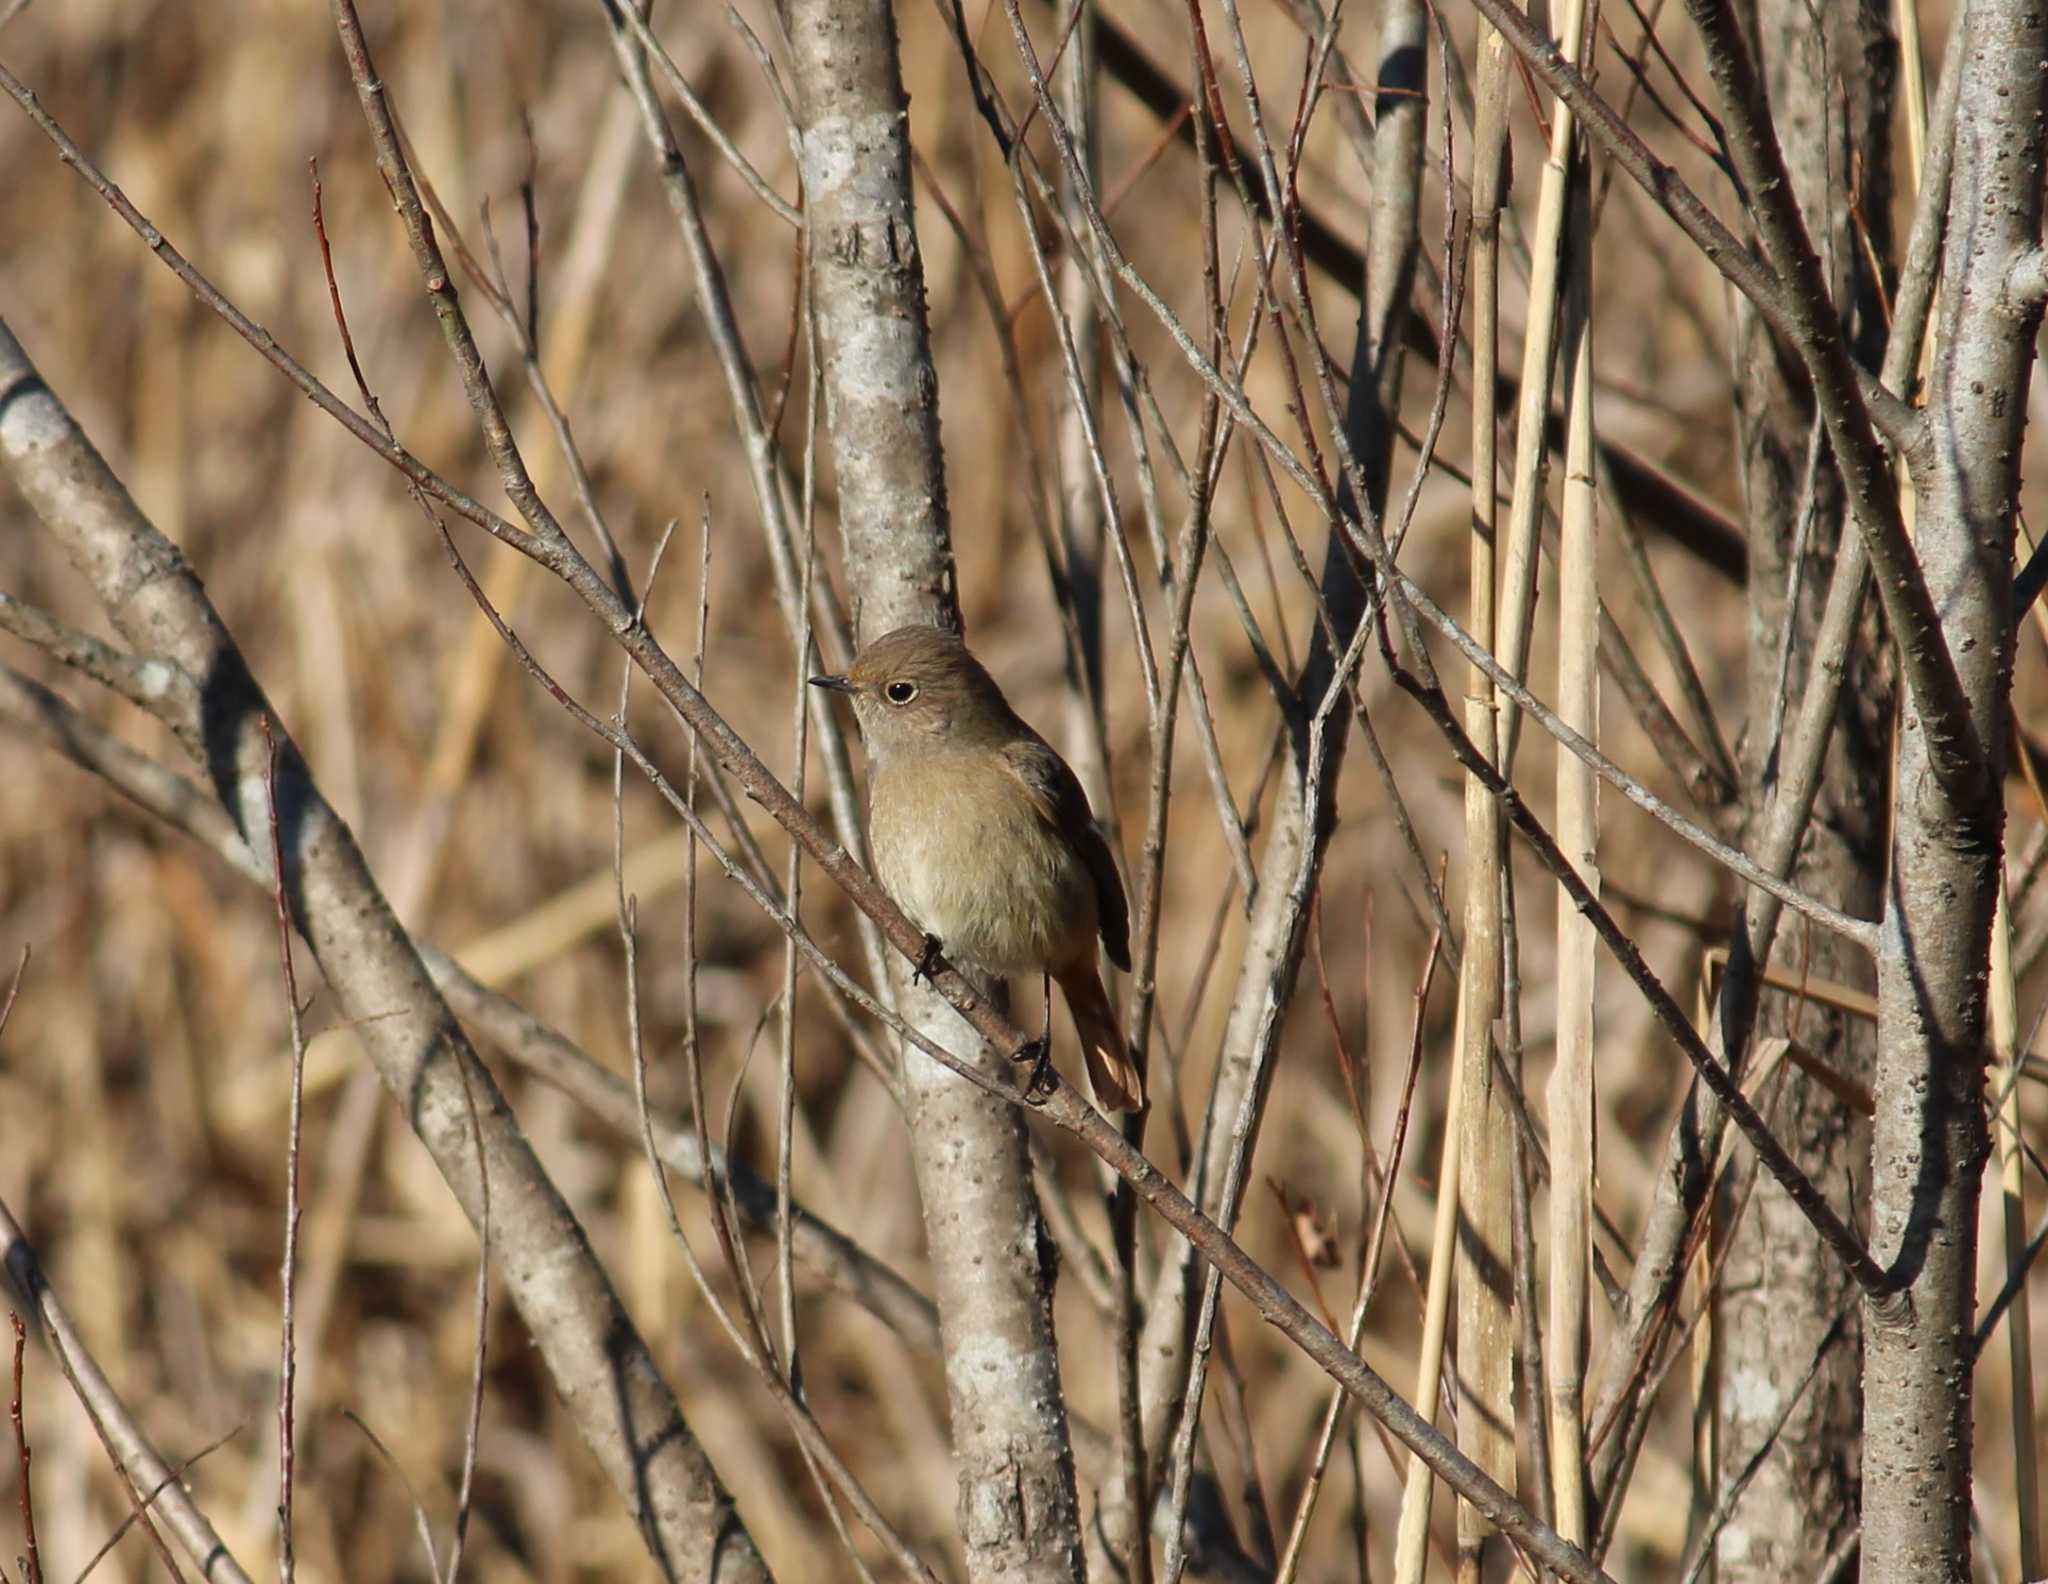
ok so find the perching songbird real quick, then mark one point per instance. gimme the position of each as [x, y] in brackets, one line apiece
[982, 834]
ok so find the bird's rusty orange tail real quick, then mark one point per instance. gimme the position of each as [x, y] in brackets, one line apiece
[1119, 1085]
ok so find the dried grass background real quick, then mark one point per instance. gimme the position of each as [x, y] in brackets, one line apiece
[142, 1079]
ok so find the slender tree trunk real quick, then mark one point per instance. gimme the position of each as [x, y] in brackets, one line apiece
[992, 1264]
[1785, 1375]
[1929, 1140]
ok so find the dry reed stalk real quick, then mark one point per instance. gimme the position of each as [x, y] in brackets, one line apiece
[1485, 1253]
[1578, 824]
[1912, 85]
[1411, 1542]
[1481, 1137]
[1532, 413]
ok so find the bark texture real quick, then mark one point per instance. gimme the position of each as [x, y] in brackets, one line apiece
[881, 390]
[1929, 1137]
[992, 1261]
[1781, 1293]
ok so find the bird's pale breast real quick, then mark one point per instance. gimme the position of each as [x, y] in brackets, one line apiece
[965, 851]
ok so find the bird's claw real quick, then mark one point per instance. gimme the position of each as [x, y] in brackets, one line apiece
[927, 962]
[1039, 1087]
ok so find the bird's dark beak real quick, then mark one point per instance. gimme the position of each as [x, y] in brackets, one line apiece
[838, 684]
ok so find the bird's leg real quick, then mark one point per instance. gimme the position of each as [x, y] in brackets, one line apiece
[927, 959]
[1039, 1087]
[1036, 1050]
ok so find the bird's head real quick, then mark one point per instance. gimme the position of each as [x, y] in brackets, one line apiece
[917, 690]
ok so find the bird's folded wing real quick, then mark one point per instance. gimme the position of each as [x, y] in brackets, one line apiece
[1064, 806]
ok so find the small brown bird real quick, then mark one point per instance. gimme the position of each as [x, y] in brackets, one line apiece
[984, 837]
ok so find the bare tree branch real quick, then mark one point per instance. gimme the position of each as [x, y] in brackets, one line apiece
[141, 1467]
[1683, 1175]
[624, 1410]
[1929, 1136]
[1811, 326]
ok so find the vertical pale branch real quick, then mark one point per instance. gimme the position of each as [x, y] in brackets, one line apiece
[1532, 413]
[1578, 833]
[1019, 1515]
[2004, 1010]
[1485, 1250]
[881, 392]
[1778, 1298]
[1473, 1172]
[2012, 1196]
[1782, 821]
[1411, 1539]
[1928, 1138]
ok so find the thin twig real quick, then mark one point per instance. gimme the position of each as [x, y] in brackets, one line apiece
[706, 123]
[412, 1495]
[288, 1365]
[175, 1477]
[1368, 1275]
[32, 1560]
[753, 1340]
[135, 1460]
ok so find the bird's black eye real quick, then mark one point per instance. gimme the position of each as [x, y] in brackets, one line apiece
[900, 692]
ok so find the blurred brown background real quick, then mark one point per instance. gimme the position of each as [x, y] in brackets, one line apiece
[143, 1077]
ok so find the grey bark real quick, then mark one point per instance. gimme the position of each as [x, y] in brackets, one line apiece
[1780, 1291]
[1929, 1138]
[1694, 1144]
[596, 1358]
[992, 1265]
